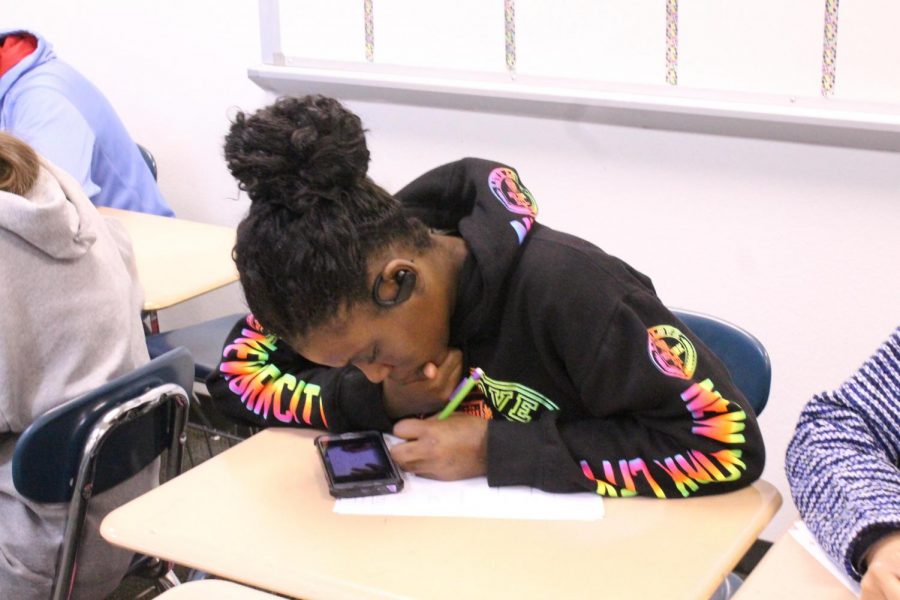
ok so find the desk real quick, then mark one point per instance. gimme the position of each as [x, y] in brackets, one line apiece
[176, 259]
[260, 513]
[207, 589]
[787, 572]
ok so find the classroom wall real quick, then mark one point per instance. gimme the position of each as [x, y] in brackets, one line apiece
[174, 71]
[795, 242]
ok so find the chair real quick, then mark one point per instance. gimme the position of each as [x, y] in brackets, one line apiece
[148, 158]
[100, 439]
[148, 318]
[204, 341]
[748, 363]
[743, 355]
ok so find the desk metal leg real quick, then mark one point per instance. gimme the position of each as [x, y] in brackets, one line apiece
[151, 322]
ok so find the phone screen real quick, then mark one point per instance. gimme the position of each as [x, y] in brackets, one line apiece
[353, 460]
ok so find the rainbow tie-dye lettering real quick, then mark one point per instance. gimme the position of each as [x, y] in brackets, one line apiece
[713, 416]
[687, 471]
[262, 387]
[506, 186]
[628, 470]
[516, 402]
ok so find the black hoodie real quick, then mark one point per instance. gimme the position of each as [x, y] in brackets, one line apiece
[590, 382]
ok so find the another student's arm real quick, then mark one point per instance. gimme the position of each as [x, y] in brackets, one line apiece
[842, 462]
[882, 578]
[661, 416]
[263, 382]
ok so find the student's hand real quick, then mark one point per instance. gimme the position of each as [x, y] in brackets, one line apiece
[455, 448]
[426, 395]
[882, 579]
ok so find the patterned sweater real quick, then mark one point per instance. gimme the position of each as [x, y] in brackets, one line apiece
[843, 463]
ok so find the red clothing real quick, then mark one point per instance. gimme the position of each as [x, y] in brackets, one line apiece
[14, 48]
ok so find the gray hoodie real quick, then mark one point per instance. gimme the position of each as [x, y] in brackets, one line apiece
[70, 320]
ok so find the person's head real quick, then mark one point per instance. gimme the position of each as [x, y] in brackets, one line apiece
[19, 165]
[327, 260]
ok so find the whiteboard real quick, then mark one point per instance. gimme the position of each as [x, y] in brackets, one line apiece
[757, 60]
[603, 40]
[868, 57]
[463, 34]
[332, 30]
[766, 46]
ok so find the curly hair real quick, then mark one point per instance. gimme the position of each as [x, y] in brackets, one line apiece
[315, 217]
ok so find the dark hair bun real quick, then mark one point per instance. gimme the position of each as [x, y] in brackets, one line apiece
[295, 148]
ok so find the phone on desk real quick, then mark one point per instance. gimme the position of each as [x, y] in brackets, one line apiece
[358, 464]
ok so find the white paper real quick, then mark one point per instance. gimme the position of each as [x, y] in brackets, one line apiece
[474, 498]
[806, 539]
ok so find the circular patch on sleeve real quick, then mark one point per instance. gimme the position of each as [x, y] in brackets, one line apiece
[671, 351]
[512, 193]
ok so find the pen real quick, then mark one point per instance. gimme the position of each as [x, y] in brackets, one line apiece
[459, 394]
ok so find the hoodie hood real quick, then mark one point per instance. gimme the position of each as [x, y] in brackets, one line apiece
[41, 54]
[490, 207]
[55, 217]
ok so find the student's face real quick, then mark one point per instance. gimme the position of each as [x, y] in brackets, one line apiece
[383, 343]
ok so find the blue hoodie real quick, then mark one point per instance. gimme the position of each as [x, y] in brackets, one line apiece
[48, 104]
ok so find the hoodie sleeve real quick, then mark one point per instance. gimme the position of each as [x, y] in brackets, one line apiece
[262, 382]
[661, 416]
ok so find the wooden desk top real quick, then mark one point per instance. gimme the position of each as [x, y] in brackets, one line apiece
[177, 259]
[788, 572]
[260, 513]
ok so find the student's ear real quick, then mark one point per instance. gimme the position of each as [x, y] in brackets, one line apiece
[395, 283]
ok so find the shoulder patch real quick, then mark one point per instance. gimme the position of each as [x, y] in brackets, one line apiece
[504, 183]
[671, 351]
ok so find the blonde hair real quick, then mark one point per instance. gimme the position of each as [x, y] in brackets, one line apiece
[19, 165]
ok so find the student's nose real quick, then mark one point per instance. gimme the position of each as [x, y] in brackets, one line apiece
[375, 372]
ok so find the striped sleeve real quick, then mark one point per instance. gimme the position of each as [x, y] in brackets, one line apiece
[843, 463]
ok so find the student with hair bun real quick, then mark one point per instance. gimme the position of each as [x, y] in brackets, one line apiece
[70, 322]
[368, 308]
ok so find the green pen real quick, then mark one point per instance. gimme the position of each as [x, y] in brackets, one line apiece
[459, 394]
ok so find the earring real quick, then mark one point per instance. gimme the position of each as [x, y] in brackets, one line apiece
[406, 283]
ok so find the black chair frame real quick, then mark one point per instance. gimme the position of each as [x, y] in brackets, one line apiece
[98, 440]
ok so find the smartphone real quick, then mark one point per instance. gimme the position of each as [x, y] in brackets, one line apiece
[358, 464]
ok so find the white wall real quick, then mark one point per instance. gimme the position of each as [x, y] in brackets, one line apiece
[174, 71]
[797, 243]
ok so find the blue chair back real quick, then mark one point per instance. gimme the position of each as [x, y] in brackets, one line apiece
[743, 355]
[148, 158]
[99, 440]
[48, 454]
[204, 341]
